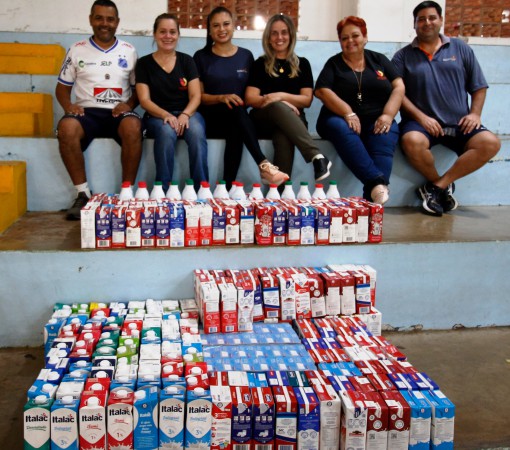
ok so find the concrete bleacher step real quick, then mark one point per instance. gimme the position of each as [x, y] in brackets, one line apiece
[35, 59]
[26, 114]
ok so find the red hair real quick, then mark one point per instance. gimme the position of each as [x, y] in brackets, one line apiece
[353, 20]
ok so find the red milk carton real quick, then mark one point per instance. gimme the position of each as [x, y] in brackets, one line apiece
[377, 422]
[228, 307]
[148, 224]
[336, 223]
[119, 226]
[92, 419]
[120, 419]
[353, 422]
[210, 307]
[232, 221]
[205, 224]
[221, 418]
[333, 288]
[347, 294]
[399, 424]
[191, 224]
[302, 296]
[317, 294]
[263, 430]
[286, 417]
[375, 222]
[349, 220]
[287, 297]
[241, 417]
[104, 226]
[162, 225]
[264, 223]
[362, 214]
[133, 226]
[363, 295]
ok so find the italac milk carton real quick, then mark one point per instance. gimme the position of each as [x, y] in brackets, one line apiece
[64, 424]
[246, 222]
[286, 417]
[263, 419]
[198, 420]
[241, 417]
[377, 421]
[120, 419]
[36, 423]
[119, 226]
[176, 224]
[92, 420]
[399, 420]
[330, 410]
[205, 224]
[421, 413]
[192, 224]
[146, 419]
[308, 418]
[221, 418]
[443, 417]
[353, 425]
[172, 407]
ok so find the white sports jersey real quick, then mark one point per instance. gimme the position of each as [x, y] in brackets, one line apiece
[101, 78]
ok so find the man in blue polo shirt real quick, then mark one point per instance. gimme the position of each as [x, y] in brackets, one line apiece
[439, 72]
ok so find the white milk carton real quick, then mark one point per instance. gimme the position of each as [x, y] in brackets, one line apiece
[353, 420]
[120, 419]
[198, 420]
[221, 422]
[36, 423]
[145, 419]
[92, 420]
[172, 406]
[330, 409]
[64, 424]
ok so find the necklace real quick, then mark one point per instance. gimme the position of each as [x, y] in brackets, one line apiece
[279, 66]
[359, 96]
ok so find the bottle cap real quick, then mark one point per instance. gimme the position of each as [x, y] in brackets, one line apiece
[142, 184]
[93, 401]
[288, 183]
[189, 182]
[319, 185]
[121, 393]
[199, 391]
[158, 183]
[273, 186]
[205, 184]
[174, 183]
[192, 381]
[47, 387]
[334, 183]
[303, 183]
[140, 395]
[67, 399]
[256, 185]
[222, 182]
[126, 184]
[40, 400]
[171, 390]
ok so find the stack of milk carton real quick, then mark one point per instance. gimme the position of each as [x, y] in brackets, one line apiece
[109, 222]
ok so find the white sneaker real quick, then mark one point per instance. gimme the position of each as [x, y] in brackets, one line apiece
[380, 194]
[270, 173]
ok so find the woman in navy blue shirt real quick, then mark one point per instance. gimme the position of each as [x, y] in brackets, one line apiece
[223, 69]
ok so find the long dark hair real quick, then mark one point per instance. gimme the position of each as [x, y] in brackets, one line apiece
[218, 10]
[163, 17]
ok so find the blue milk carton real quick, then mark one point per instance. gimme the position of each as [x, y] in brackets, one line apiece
[197, 435]
[172, 407]
[419, 432]
[308, 418]
[443, 416]
[64, 423]
[145, 418]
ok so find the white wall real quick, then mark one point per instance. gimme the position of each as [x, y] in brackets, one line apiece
[387, 20]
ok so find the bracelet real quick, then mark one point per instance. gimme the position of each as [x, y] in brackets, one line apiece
[186, 114]
[348, 116]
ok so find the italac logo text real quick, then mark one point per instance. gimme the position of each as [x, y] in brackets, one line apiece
[119, 412]
[199, 409]
[37, 418]
[91, 418]
[65, 419]
[172, 409]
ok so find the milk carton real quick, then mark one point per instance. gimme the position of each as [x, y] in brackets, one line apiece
[353, 423]
[330, 409]
[205, 224]
[246, 222]
[308, 418]
[148, 224]
[120, 419]
[232, 221]
[219, 219]
[421, 413]
[286, 417]
[443, 417]
[177, 224]
[64, 424]
[263, 419]
[221, 418]
[162, 225]
[399, 420]
[119, 226]
[241, 417]
[172, 406]
[36, 423]
[198, 420]
[192, 224]
[145, 419]
[92, 420]
[377, 422]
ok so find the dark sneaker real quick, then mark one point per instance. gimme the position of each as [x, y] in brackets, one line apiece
[449, 202]
[74, 212]
[321, 168]
[431, 196]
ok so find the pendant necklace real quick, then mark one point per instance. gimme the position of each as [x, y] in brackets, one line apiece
[358, 80]
[279, 66]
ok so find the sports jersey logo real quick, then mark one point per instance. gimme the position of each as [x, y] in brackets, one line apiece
[107, 95]
[123, 63]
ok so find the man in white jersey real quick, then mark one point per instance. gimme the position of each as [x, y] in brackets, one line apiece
[100, 72]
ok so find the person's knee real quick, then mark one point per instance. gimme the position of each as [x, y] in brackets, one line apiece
[130, 128]
[487, 145]
[413, 144]
[69, 130]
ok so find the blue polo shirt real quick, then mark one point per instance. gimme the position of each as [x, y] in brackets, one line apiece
[439, 86]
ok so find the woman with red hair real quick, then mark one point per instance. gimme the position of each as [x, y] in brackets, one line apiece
[361, 95]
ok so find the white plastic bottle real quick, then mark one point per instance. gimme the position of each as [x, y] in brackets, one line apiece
[157, 192]
[126, 191]
[173, 192]
[232, 189]
[220, 191]
[204, 192]
[256, 192]
[333, 190]
[288, 192]
[238, 193]
[273, 193]
[188, 193]
[319, 193]
[142, 193]
[303, 193]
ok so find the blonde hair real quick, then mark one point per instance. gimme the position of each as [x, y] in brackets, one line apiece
[269, 53]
